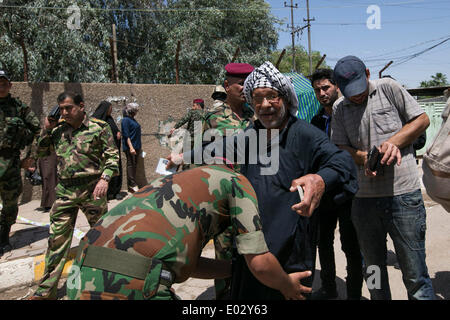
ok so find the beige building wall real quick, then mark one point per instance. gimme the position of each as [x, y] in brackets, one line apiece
[159, 104]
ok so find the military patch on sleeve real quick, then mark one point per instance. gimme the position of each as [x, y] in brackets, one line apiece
[101, 123]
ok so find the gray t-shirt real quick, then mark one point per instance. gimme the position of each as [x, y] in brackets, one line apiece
[389, 107]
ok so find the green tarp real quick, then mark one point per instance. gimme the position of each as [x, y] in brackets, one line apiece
[308, 105]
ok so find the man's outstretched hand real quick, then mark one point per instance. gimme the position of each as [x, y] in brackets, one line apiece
[313, 187]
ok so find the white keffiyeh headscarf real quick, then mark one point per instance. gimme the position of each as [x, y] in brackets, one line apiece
[267, 76]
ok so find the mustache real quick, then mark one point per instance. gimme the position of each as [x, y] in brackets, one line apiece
[268, 111]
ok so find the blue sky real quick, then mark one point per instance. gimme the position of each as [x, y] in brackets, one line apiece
[407, 27]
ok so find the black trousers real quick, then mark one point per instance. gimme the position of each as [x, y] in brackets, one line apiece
[132, 167]
[115, 185]
[329, 214]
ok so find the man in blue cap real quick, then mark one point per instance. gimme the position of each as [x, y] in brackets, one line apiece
[381, 115]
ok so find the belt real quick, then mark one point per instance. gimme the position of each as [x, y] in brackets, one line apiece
[78, 181]
[122, 262]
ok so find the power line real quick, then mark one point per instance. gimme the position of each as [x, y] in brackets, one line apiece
[384, 22]
[421, 52]
[382, 57]
[166, 9]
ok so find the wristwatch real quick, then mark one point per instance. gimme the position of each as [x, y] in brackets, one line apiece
[105, 177]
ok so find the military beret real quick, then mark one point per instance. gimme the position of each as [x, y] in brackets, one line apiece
[3, 74]
[238, 70]
[198, 101]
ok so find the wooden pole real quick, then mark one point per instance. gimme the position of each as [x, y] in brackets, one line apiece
[280, 58]
[113, 66]
[236, 53]
[177, 66]
[385, 67]
[320, 62]
[114, 46]
[25, 58]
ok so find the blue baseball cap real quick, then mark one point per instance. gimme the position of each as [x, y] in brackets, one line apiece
[350, 76]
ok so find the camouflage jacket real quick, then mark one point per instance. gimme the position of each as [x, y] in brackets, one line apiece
[190, 118]
[88, 150]
[19, 126]
[175, 216]
[221, 117]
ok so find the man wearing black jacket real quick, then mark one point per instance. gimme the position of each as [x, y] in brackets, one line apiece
[329, 212]
[299, 155]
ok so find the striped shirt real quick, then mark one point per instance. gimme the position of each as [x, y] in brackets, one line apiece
[388, 108]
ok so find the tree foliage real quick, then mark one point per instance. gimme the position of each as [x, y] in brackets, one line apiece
[438, 80]
[54, 52]
[148, 32]
[301, 60]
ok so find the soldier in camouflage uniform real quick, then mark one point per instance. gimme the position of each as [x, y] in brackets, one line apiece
[194, 114]
[87, 158]
[228, 117]
[18, 127]
[234, 113]
[154, 239]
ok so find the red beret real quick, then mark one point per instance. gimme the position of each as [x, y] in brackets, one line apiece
[239, 70]
[198, 101]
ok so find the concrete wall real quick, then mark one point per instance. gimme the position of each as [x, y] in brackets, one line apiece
[159, 104]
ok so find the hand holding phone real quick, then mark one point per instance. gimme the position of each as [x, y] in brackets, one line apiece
[373, 159]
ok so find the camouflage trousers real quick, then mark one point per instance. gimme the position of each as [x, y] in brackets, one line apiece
[223, 245]
[10, 189]
[63, 217]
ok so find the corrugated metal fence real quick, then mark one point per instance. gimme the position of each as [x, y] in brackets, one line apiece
[434, 111]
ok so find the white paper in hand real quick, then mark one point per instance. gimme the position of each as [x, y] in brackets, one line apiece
[161, 168]
[300, 192]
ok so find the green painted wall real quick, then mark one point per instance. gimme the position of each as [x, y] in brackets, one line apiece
[434, 111]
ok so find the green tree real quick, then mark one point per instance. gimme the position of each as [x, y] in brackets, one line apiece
[437, 80]
[56, 49]
[210, 32]
[301, 60]
[148, 32]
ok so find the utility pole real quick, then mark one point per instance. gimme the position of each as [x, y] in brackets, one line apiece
[308, 20]
[292, 31]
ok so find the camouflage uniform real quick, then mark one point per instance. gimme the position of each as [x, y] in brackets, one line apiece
[18, 127]
[222, 118]
[190, 117]
[170, 221]
[83, 155]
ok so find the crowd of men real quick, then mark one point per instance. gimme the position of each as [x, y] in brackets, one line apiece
[265, 235]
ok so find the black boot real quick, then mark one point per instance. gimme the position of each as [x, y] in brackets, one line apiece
[4, 239]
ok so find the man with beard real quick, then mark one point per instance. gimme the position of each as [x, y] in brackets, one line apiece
[329, 212]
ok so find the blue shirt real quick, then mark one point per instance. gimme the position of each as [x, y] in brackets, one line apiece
[131, 129]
